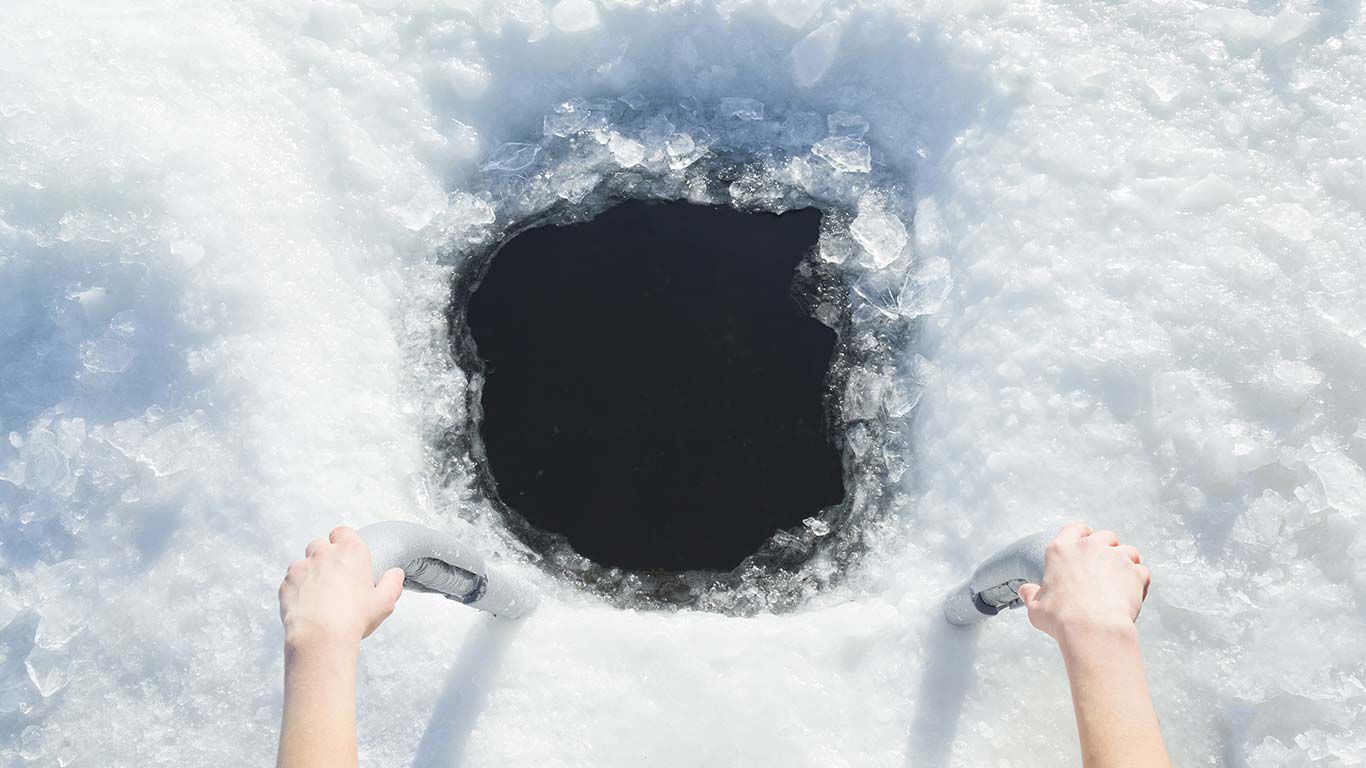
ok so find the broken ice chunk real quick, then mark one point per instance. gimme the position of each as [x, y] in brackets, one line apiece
[63, 611]
[170, 449]
[44, 465]
[846, 124]
[32, 746]
[742, 109]
[926, 289]
[1290, 221]
[656, 131]
[10, 606]
[1298, 376]
[574, 15]
[844, 154]
[1206, 194]
[682, 151]
[512, 156]
[680, 144]
[1343, 481]
[626, 151]
[881, 234]
[425, 204]
[464, 219]
[817, 526]
[49, 669]
[107, 354]
[576, 188]
[564, 122]
[866, 393]
[835, 248]
[1262, 520]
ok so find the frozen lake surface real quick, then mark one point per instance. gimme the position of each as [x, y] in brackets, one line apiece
[1104, 261]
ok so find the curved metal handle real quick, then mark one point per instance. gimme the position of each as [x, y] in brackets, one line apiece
[436, 561]
[996, 582]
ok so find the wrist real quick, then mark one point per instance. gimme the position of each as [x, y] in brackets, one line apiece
[1083, 640]
[314, 642]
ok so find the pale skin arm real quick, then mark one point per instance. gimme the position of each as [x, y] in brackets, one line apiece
[328, 604]
[1093, 588]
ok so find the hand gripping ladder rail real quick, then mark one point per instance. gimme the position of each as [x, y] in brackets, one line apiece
[995, 585]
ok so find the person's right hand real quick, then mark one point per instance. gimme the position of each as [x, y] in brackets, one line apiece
[1090, 582]
[328, 597]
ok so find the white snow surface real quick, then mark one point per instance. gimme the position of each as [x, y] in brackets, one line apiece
[225, 248]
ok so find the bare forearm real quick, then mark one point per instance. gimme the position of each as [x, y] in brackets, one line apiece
[319, 724]
[1115, 719]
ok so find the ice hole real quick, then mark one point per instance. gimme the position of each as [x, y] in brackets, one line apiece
[652, 390]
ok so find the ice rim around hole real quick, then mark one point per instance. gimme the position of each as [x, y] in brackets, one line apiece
[862, 280]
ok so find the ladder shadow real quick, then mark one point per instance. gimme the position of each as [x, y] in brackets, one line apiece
[465, 694]
[947, 676]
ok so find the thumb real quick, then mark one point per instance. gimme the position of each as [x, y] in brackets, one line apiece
[389, 588]
[1029, 593]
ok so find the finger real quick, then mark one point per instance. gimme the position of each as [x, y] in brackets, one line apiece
[290, 582]
[342, 533]
[1108, 538]
[1147, 577]
[389, 588]
[314, 547]
[1073, 532]
[296, 569]
[1029, 593]
[1130, 552]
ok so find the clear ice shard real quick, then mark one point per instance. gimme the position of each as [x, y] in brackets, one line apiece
[845, 154]
[881, 234]
[49, 669]
[513, 156]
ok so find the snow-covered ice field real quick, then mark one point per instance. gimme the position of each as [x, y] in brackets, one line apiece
[1133, 240]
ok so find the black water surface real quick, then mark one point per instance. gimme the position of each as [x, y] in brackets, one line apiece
[653, 390]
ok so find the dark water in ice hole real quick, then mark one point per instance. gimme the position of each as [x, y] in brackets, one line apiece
[653, 391]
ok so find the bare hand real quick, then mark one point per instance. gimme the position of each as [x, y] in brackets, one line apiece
[328, 596]
[1090, 582]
